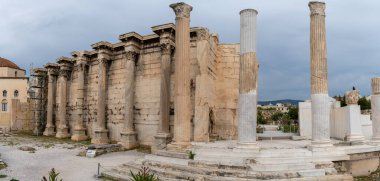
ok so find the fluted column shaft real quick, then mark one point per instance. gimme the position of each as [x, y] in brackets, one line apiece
[182, 104]
[52, 84]
[321, 102]
[248, 79]
[79, 133]
[129, 135]
[166, 50]
[62, 131]
[375, 109]
[102, 82]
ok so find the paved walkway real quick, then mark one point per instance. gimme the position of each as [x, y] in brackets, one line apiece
[25, 166]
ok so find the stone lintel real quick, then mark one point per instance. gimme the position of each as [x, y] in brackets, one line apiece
[200, 32]
[160, 29]
[77, 54]
[150, 37]
[52, 68]
[102, 45]
[64, 61]
[131, 36]
[39, 72]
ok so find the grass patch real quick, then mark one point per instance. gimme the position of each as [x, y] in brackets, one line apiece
[3, 176]
[3, 165]
[144, 149]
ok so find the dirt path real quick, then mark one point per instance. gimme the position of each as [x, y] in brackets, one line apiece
[29, 166]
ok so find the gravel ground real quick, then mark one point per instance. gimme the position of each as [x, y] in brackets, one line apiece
[29, 166]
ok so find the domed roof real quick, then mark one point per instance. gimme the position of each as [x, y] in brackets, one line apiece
[7, 63]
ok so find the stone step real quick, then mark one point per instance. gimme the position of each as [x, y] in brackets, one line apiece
[312, 173]
[206, 164]
[220, 159]
[243, 173]
[172, 154]
[285, 153]
[282, 167]
[169, 160]
[283, 160]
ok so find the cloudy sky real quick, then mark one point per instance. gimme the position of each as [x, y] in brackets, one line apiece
[36, 32]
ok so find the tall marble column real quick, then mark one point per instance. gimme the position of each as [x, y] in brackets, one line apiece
[248, 80]
[52, 84]
[165, 32]
[79, 132]
[64, 72]
[104, 50]
[320, 100]
[182, 104]
[375, 109]
[129, 134]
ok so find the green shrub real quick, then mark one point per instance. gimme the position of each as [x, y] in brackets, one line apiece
[289, 128]
[191, 155]
[53, 176]
[144, 175]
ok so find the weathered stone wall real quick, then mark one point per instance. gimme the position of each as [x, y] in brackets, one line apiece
[214, 89]
[227, 91]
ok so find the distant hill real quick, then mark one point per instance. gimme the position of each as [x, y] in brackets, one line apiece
[291, 101]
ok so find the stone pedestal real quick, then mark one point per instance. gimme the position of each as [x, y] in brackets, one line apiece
[182, 103]
[161, 140]
[354, 128]
[320, 101]
[248, 80]
[100, 136]
[52, 84]
[375, 108]
[129, 140]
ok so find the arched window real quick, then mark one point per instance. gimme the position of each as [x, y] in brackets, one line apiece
[4, 105]
[5, 93]
[16, 93]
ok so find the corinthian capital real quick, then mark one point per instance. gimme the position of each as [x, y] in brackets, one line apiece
[317, 8]
[131, 55]
[181, 10]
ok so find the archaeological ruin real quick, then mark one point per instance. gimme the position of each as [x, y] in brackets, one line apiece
[193, 101]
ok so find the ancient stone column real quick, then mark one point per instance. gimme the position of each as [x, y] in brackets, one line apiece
[167, 46]
[129, 134]
[320, 100]
[104, 55]
[52, 84]
[182, 104]
[375, 109]
[64, 73]
[37, 86]
[248, 80]
[79, 132]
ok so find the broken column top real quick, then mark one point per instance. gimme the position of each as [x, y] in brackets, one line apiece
[248, 10]
[130, 36]
[248, 31]
[181, 9]
[102, 45]
[159, 29]
[375, 84]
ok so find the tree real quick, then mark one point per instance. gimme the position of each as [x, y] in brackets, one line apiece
[293, 113]
[364, 103]
[277, 116]
[260, 118]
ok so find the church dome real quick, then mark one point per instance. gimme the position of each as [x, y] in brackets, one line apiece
[7, 63]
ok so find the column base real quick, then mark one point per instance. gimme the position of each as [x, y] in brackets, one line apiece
[49, 131]
[247, 147]
[63, 133]
[179, 146]
[319, 145]
[355, 139]
[79, 134]
[100, 137]
[129, 140]
[375, 141]
[161, 141]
